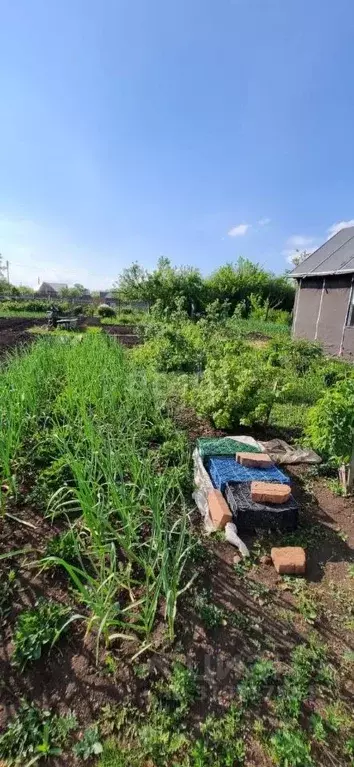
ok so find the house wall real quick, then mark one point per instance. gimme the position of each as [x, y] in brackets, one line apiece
[307, 304]
[320, 314]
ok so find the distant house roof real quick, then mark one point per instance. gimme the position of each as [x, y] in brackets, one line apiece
[56, 287]
[336, 256]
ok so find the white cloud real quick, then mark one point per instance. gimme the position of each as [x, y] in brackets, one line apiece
[264, 221]
[239, 231]
[37, 253]
[332, 230]
[299, 241]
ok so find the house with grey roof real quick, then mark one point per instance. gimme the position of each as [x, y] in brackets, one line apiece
[50, 289]
[324, 302]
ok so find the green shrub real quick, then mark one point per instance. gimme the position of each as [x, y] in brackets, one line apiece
[36, 628]
[34, 732]
[235, 390]
[26, 306]
[330, 427]
[106, 311]
[299, 356]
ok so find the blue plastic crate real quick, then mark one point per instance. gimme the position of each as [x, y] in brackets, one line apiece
[222, 470]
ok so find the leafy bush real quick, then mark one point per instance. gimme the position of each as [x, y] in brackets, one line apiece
[26, 306]
[235, 390]
[330, 426]
[106, 311]
[297, 355]
[37, 628]
[34, 732]
[172, 347]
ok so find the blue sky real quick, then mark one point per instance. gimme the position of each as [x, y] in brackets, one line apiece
[194, 129]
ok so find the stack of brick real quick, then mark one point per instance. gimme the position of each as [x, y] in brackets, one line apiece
[257, 493]
[249, 489]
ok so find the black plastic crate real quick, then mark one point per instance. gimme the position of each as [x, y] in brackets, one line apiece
[249, 516]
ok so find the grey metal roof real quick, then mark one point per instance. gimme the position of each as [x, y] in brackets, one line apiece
[56, 286]
[336, 256]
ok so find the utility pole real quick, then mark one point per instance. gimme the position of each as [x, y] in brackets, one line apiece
[8, 272]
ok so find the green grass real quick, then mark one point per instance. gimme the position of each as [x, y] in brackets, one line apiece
[288, 416]
[271, 329]
[124, 319]
[6, 314]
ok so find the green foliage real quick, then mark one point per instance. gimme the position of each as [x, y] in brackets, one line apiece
[234, 283]
[164, 284]
[159, 738]
[181, 689]
[330, 426]
[219, 745]
[88, 418]
[336, 718]
[211, 615]
[237, 282]
[36, 629]
[104, 310]
[256, 678]
[306, 604]
[236, 389]
[298, 355]
[66, 546]
[318, 728]
[289, 748]
[37, 305]
[89, 744]
[308, 667]
[34, 732]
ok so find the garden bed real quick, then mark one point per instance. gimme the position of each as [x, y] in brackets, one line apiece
[90, 421]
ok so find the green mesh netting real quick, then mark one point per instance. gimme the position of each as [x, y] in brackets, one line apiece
[223, 446]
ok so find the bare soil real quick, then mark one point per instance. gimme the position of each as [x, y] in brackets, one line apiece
[13, 332]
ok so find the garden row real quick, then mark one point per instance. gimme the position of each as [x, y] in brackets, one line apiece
[85, 438]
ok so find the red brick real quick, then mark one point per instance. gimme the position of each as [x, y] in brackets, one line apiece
[254, 460]
[219, 511]
[290, 560]
[269, 492]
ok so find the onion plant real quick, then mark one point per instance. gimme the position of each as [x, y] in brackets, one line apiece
[104, 419]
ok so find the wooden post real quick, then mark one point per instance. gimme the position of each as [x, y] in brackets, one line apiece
[346, 474]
